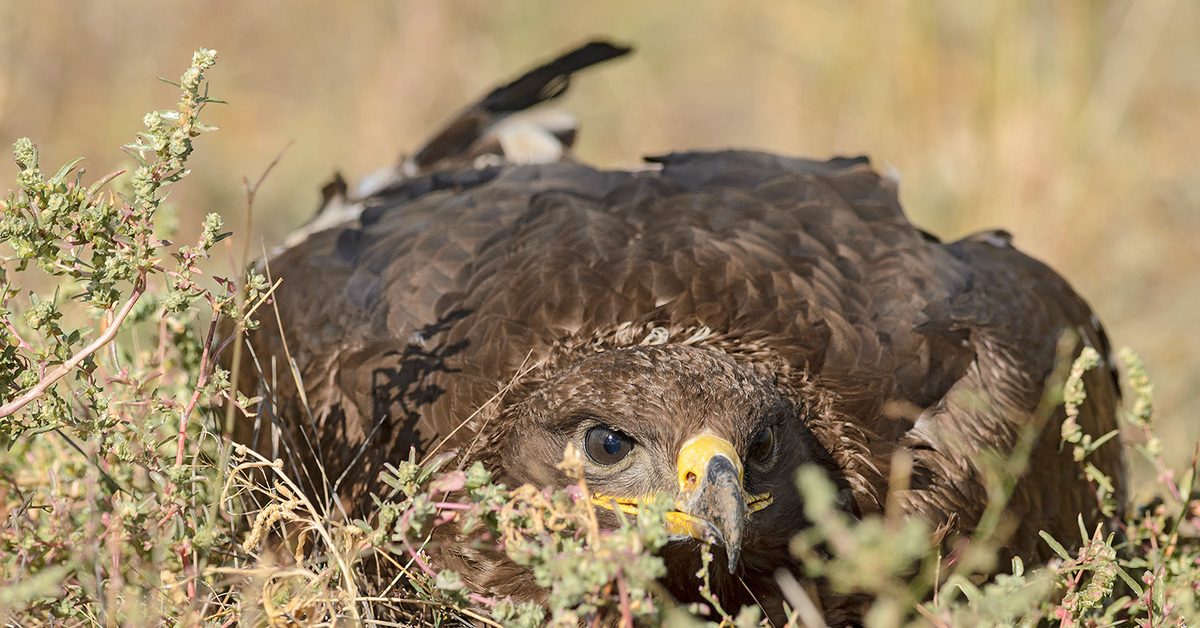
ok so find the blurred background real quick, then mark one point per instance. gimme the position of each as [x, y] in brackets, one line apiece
[1075, 124]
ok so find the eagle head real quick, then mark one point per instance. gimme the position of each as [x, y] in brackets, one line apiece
[723, 438]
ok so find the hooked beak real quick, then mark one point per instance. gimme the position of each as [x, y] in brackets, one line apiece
[712, 501]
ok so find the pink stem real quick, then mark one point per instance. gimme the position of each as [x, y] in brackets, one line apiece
[68, 366]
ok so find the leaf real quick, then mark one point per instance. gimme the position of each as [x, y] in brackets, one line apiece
[453, 481]
[1098, 476]
[67, 167]
[103, 181]
[1185, 491]
[1129, 580]
[1055, 545]
[434, 464]
[963, 585]
[1103, 439]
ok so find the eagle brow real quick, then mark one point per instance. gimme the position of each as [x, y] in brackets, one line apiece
[571, 420]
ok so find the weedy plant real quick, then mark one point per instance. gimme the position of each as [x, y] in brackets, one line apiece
[107, 482]
[1148, 578]
[100, 495]
[122, 505]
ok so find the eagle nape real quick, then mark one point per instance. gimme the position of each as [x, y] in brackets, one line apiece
[701, 325]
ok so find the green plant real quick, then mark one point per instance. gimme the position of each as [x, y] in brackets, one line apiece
[1149, 578]
[107, 481]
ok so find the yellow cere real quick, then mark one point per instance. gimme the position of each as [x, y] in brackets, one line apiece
[695, 455]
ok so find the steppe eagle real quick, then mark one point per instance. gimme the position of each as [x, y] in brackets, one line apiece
[702, 325]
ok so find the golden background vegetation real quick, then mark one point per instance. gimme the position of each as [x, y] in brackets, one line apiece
[1075, 125]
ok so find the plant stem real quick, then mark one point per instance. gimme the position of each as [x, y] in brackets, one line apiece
[201, 382]
[139, 287]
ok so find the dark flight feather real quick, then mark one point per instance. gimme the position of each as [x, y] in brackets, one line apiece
[719, 291]
[539, 85]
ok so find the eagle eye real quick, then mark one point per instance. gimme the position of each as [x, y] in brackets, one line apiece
[762, 445]
[606, 446]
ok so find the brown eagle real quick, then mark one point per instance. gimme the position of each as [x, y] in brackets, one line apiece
[702, 325]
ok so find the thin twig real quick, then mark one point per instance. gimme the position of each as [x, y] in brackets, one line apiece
[239, 288]
[20, 341]
[201, 382]
[139, 287]
[623, 596]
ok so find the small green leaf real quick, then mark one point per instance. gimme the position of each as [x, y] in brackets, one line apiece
[67, 167]
[1055, 545]
[1131, 582]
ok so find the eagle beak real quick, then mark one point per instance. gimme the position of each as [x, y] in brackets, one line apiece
[712, 499]
[712, 502]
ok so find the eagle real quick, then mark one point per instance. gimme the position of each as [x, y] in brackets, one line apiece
[702, 325]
